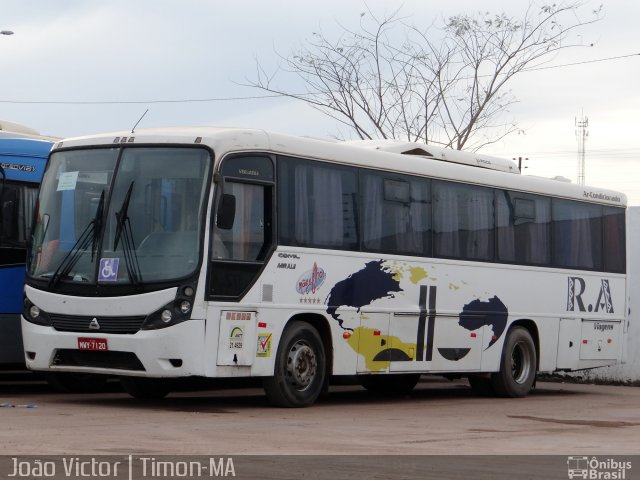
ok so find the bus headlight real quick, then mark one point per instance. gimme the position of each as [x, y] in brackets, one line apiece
[33, 314]
[172, 313]
[166, 316]
[185, 306]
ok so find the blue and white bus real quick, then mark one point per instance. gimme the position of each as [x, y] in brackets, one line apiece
[241, 253]
[22, 161]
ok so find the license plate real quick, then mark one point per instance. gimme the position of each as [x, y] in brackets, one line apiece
[99, 344]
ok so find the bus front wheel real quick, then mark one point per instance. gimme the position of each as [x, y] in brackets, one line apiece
[517, 365]
[300, 368]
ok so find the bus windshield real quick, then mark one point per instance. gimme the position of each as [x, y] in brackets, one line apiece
[120, 215]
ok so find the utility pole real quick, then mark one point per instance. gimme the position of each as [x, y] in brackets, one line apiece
[581, 134]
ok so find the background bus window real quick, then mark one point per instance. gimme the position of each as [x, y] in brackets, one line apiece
[17, 208]
[523, 228]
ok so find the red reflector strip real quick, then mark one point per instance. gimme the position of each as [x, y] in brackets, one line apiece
[474, 335]
[262, 325]
[376, 332]
[585, 342]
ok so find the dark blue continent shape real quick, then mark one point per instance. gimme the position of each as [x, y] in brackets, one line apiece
[361, 288]
[477, 314]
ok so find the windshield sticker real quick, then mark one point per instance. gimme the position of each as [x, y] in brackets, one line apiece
[67, 181]
[108, 269]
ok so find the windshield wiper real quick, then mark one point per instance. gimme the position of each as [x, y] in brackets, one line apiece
[89, 236]
[123, 230]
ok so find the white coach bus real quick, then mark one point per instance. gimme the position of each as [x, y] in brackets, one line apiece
[210, 252]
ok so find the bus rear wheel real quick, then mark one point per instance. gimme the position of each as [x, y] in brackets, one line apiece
[145, 388]
[300, 368]
[517, 365]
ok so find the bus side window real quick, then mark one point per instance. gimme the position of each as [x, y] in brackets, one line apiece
[577, 234]
[614, 239]
[523, 228]
[463, 221]
[317, 204]
[396, 214]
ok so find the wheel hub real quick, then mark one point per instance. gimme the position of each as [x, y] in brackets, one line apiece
[301, 365]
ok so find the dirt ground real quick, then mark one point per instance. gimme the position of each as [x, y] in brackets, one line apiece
[442, 430]
[438, 418]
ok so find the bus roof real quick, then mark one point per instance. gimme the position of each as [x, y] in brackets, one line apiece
[15, 130]
[25, 147]
[439, 163]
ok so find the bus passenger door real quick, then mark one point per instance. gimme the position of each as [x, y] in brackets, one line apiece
[241, 243]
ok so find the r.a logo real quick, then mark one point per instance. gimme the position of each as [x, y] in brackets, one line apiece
[576, 289]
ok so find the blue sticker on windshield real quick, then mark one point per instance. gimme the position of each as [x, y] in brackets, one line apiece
[108, 269]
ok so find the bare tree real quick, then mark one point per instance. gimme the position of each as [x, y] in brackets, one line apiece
[450, 91]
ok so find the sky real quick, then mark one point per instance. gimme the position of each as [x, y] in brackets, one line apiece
[123, 56]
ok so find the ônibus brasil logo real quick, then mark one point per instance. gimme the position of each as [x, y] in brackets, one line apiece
[596, 468]
[311, 280]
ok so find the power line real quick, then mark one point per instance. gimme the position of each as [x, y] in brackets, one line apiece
[253, 97]
[582, 63]
[137, 102]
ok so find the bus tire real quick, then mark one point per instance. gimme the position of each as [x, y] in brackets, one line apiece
[69, 382]
[517, 365]
[145, 388]
[395, 385]
[481, 386]
[300, 368]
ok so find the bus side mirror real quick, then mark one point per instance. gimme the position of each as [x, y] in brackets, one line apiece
[226, 212]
